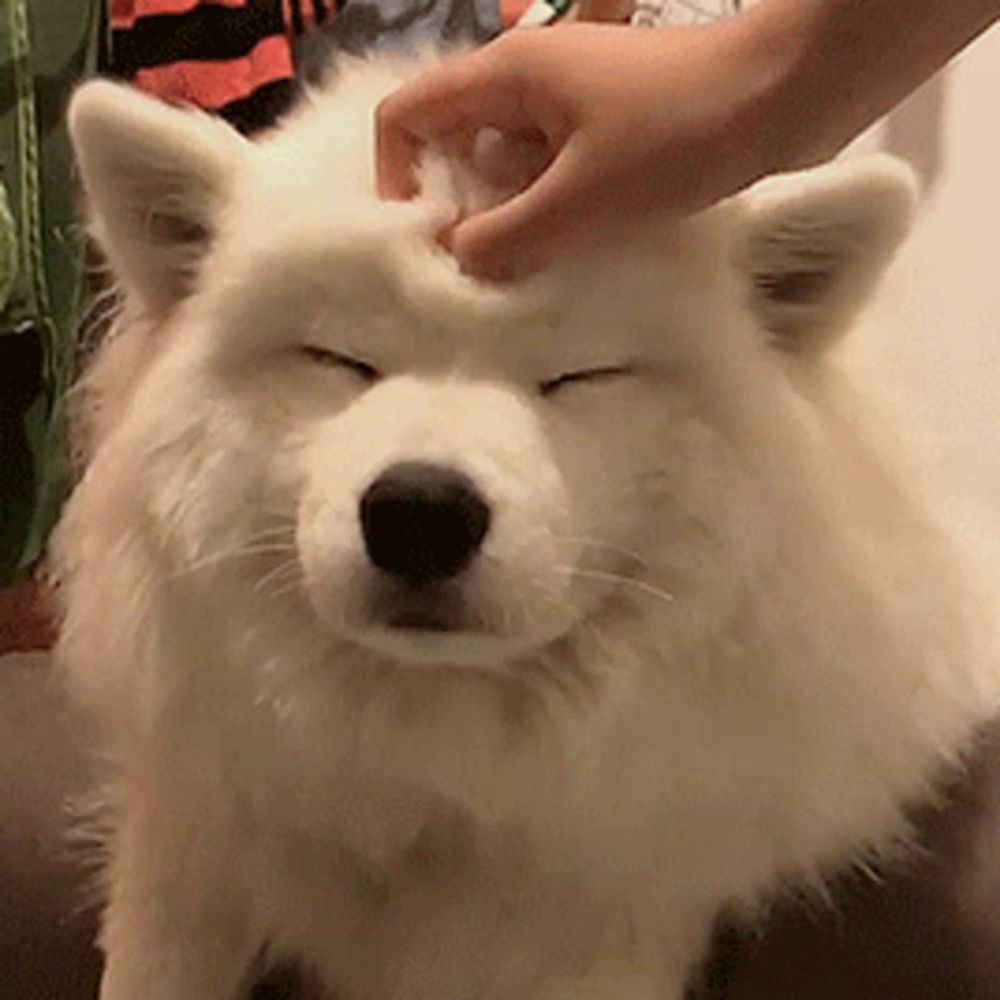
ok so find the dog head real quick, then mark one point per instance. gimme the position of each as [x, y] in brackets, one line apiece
[318, 405]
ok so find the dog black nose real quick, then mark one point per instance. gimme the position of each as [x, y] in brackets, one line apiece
[423, 522]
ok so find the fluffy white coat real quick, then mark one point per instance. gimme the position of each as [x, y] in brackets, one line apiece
[714, 642]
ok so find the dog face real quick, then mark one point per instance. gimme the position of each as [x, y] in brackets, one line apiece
[434, 470]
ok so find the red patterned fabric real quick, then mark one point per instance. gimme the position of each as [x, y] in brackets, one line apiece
[124, 13]
[229, 56]
[216, 84]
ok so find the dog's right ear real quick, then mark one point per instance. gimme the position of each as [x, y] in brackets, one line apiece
[156, 179]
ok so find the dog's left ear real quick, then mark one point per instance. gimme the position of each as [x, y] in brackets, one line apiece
[156, 178]
[814, 245]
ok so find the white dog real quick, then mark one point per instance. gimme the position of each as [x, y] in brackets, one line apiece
[481, 643]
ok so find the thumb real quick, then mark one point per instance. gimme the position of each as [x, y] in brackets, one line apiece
[530, 229]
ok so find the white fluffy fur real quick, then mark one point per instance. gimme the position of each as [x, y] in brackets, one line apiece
[715, 644]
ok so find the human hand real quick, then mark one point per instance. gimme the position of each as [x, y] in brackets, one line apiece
[630, 121]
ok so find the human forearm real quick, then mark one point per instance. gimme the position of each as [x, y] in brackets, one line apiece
[836, 66]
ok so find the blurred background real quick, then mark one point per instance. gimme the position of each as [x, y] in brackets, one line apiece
[932, 336]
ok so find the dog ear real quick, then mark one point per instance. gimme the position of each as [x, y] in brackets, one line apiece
[815, 244]
[156, 178]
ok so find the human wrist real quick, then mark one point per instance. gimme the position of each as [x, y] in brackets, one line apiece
[752, 121]
[778, 113]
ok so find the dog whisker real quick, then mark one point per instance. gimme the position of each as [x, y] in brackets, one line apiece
[279, 575]
[243, 552]
[596, 543]
[617, 579]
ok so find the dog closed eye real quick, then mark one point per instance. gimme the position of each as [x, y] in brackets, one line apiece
[583, 375]
[333, 359]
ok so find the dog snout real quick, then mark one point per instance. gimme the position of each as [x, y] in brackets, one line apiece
[423, 522]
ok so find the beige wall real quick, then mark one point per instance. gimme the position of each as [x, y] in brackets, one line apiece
[933, 334]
